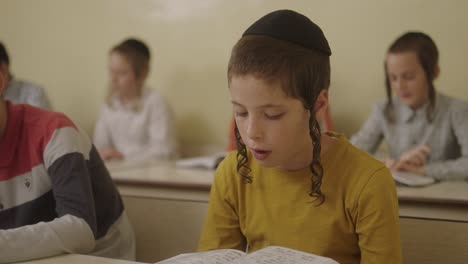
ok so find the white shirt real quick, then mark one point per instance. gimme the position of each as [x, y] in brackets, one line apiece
[22, 92]
[140, 130]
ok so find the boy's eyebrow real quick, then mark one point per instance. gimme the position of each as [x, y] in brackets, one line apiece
[260, 106]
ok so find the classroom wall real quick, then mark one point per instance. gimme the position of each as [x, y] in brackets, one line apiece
[63, 45]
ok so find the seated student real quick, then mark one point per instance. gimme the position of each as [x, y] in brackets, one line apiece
[56, 195]
[426, 131]
[18, 91]
[288, 184]
[135, 122]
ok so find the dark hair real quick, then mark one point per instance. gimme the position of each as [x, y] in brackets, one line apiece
[137, 53]
[303, 73]
[4, 58]
[428, 56]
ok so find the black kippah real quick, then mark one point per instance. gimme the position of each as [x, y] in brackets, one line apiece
[293, 27]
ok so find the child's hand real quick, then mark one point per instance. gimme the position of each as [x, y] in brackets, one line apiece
[390, 163]
[110, 154]
[409, 167]
[416, 156]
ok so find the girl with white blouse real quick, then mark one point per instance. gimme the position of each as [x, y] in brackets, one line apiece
[135, 122]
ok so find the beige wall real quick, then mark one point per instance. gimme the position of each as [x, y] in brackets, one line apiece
[63, 45]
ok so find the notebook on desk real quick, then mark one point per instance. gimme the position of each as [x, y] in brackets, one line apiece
[411, 179]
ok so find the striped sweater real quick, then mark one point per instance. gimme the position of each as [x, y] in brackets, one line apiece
[56, 195]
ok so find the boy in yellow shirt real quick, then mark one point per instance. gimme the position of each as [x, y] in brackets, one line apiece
[288, 184]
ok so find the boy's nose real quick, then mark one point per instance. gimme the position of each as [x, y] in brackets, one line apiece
[401, 84]
[254, 130]
[113, 80]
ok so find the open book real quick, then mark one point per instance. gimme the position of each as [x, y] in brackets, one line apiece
[268, 255]
[204, 162]
[411, 179]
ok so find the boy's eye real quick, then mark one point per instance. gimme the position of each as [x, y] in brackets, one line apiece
[274, 117]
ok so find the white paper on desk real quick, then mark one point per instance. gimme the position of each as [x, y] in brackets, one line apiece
[122, 165]
[411, 179]
[268, 255]
[282, 255]
[219, 256]
[204, 162]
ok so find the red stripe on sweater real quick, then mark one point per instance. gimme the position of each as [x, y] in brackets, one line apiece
[29, 130]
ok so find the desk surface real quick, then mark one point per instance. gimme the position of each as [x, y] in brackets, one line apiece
[77, 259]
[163, 173]
[455, 192]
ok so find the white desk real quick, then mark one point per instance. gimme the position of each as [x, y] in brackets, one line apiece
[443, 192]
[446, 201]
[162, 180]
[166, 206]
[434, 223]
[77, 259]
[161, 174]
[433, 219]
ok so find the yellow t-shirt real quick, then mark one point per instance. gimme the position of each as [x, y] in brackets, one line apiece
[357, 223]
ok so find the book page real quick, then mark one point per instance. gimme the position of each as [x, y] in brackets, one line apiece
[220, 256]
[281, 255]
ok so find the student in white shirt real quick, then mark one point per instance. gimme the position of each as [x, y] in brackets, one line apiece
[135, 122]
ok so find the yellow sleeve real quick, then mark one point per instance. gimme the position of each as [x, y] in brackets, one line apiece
[222, 229]
[377, 223]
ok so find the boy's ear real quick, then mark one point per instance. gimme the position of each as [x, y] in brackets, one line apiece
[144, 74]
[142, 78]
[3, 78]
[436, 71]
[321, 103]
